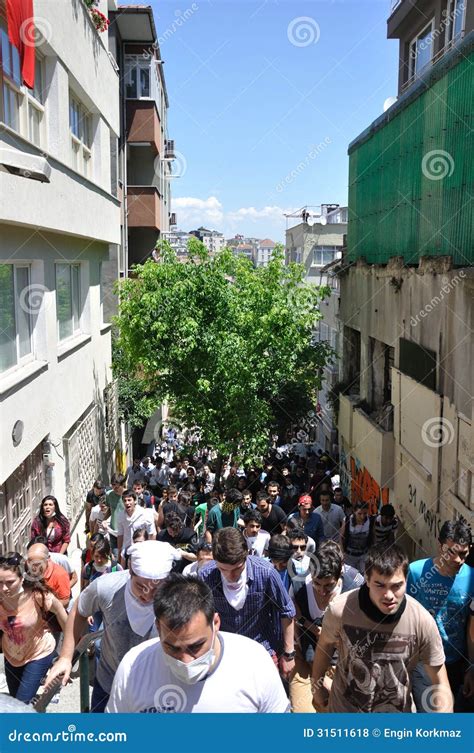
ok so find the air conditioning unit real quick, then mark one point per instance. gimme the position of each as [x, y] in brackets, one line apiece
[169, 150]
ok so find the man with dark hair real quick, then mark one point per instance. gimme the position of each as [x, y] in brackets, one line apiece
[309, 519]
[114, 502]
[257, 540]
[224, 515]
[340, 499]
[273, 491]
[327, 578]
[444, 585]
[279, 553]
[250, 597]
[182, 538]
[380, 634]
[273, 518]
[193, 667]
[332, 516]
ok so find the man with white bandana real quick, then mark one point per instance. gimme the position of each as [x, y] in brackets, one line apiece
[126, 602]
[193, 667]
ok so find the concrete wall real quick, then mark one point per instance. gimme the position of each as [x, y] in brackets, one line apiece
[432, 443]
[430, 305]
[53, 390]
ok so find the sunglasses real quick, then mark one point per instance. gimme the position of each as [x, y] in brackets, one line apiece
[296, 547]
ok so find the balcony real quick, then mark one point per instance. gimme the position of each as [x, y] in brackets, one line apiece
[143, 123]
[373, 447]
[143, 205]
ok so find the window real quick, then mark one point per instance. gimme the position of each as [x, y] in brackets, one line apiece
[323, 255]
[11, 82]
[15, 315]
[35, 104]
[421, 50]
[137, 78]
[68, 299]
[80, 122]
[113, 164]
[455, 20]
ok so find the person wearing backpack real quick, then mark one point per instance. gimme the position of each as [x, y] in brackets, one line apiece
[357, 533]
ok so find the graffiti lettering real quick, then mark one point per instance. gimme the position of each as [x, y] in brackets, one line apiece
[365, 488]
[431, 518]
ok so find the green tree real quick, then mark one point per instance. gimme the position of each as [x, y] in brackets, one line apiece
[224, 343]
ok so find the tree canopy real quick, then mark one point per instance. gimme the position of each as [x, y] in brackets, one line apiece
[226, 344]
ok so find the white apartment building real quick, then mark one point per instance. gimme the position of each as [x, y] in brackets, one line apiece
[59, 221]
[264, 252]
[318, 246]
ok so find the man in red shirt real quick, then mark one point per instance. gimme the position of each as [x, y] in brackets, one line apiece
[41, 567]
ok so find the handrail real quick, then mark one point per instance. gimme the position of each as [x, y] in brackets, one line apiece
[41, 702]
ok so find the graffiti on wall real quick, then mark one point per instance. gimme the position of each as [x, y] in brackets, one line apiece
[365, 488]
[431, 519]
[345, 477]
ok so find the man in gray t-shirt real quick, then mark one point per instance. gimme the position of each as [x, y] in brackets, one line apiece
[332, 516]
[125, 600]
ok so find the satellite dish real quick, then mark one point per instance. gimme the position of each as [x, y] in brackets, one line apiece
[388, 103]
[310, 221]
[323, 221]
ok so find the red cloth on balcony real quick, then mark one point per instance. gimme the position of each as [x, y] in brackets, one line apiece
[21, 33]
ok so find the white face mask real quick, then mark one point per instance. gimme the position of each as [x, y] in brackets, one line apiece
[101, 568]
[195, 670]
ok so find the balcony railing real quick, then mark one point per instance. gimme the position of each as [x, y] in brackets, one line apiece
[441, 53]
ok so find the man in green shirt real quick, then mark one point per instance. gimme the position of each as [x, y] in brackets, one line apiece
[224, 515]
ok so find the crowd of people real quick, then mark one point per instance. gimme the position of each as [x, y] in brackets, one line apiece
[241, 589]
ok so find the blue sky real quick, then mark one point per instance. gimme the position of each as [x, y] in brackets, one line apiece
[265, 97]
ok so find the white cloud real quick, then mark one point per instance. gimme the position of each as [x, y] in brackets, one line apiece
[193, 211]
[253, 213]
[264, 222]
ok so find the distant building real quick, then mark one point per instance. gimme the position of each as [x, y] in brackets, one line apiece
[318, 245]
[212, 239]
[263, 252]
[178, 240]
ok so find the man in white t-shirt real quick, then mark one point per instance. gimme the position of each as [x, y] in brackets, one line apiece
[257, 540]
[134, 516]
[192, 667]
[332, 516]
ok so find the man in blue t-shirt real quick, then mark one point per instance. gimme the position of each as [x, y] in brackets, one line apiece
[444, 585]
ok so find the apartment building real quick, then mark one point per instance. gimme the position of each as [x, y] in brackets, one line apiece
[212, 239]
[407, 284]
[264, 252]
[318, 242]
[145, 151]
[59, 224]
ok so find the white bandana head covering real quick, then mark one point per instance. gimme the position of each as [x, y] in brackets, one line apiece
[152, 560]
